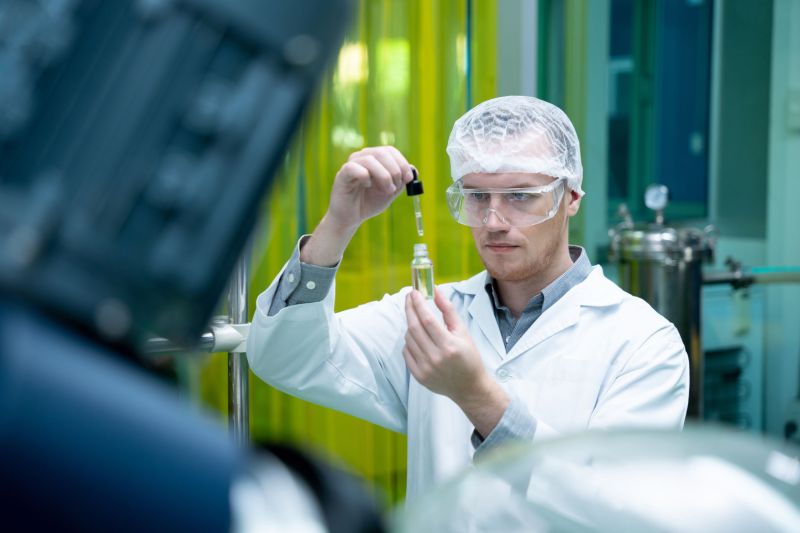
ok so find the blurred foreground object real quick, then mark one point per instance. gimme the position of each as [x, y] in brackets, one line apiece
[91, 443]
[703, 479]
[137, 139]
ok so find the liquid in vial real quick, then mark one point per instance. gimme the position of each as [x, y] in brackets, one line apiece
[422, 271]
[418, 215]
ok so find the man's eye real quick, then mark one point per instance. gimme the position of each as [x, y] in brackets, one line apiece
[477, 196]
[522, 196]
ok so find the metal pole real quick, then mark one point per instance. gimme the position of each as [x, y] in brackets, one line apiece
[238, 396]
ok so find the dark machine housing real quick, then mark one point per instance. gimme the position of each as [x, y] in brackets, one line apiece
[137, 139]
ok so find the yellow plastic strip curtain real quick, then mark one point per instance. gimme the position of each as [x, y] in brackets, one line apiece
[401, 78]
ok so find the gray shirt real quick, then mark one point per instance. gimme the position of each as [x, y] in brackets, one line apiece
[304, 283]
[513, 329]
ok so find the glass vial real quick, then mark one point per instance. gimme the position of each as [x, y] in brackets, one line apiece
[422, 271]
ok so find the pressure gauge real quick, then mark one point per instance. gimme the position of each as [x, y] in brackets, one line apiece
[656, 197]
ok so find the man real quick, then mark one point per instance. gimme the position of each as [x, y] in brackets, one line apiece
[539, 344]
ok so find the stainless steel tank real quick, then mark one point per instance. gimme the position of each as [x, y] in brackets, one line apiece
[662, 265]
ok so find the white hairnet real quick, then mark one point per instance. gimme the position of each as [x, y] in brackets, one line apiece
[516, 134]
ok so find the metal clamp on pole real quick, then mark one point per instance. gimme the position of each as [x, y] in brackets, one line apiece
[231, 338]
[221, 337]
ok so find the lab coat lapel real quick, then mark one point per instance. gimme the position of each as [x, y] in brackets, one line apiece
[563, 315]
[595, 290]
[481, 313]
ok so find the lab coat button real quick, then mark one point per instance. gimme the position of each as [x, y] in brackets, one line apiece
[291, 278]
[503, 374]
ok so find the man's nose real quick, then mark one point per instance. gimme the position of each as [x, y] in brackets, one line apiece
[494, 221]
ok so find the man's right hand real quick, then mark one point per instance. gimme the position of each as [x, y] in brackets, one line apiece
[364, 187]
[367, 184]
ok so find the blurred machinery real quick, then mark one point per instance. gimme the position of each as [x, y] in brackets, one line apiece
[733, 348]
[137, 139]
[663, 264]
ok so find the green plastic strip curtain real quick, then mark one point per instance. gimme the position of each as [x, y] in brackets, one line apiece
[403, 75]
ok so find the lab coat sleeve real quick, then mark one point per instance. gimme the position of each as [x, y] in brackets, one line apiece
[651, 389]
[349, 361]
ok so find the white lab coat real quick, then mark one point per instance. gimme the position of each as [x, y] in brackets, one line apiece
[597, 358]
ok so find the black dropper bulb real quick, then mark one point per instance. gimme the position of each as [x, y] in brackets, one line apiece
[414, 187]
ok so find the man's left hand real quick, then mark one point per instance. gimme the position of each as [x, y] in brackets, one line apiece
[443, 358]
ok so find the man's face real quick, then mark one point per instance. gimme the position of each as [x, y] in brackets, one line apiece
[517, 254]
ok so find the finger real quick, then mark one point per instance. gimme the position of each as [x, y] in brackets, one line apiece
[378, 173]
[402, 162]
[357, 155]
[412, 172]
[415, 328]
[420, 355]
[430, 323]
[388, 149]
[387, 159]
[397, 155]
[391, 165]
[451, 318]
[355, 175]
[411, 364]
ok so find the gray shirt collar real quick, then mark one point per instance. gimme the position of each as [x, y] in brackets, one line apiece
[511, 328]
[579, 271]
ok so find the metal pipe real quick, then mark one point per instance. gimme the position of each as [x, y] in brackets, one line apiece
[765, 275]
[739, 278]
[238, 384]
[162, 345]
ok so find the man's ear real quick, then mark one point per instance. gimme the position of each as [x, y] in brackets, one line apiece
[574, 202]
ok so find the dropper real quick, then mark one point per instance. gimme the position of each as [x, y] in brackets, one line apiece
[414, 190]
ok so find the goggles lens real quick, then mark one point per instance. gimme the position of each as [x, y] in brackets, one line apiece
[518, 207]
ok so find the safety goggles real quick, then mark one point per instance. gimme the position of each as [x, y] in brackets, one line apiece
[518, 207]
